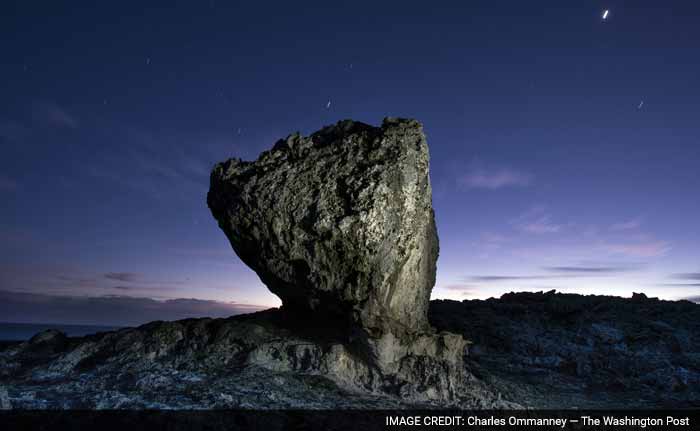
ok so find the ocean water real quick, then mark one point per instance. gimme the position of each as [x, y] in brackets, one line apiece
[25, 331]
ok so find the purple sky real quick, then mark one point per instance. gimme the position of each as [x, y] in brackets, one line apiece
[564, 148]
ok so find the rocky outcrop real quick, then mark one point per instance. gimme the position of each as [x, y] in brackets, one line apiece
[338, 223]
[262, 360]
[554, 350]
[539, 350]
[340, 226]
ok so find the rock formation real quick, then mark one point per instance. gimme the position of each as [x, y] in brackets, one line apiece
[338, 223]
[340, 226]
[541, 350]
[553, 350]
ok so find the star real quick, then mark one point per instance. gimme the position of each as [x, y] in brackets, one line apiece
[328, 105]
[148, 60]
[605, 14]
[640, 105]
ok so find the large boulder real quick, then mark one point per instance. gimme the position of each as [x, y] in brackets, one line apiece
[338, 224]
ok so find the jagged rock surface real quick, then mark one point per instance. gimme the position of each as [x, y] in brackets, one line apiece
[538, 350]
[340, 226]
[338, 223]
[261, 361]
[553, 350]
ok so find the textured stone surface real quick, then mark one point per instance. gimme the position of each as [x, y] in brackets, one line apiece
[261, 360]
[536, 350]
[339, 223]
[340, 226]
[551, 350]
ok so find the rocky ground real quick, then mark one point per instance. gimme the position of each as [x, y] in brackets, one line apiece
[552, 350]
[528, 349]
[261, 361]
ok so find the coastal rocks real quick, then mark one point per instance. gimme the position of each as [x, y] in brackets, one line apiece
[259, 360]
[539, 350]
[50, 341]
[586, 351]
[338, 224]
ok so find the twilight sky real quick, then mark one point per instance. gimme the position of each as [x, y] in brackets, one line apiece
[565, 148]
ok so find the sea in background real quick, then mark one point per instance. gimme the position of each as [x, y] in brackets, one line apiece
[25, 331]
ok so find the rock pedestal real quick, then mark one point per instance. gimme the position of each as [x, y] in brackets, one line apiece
[340, 226]
[338, 223]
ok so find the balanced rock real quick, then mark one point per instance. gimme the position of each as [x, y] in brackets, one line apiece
[339, 223]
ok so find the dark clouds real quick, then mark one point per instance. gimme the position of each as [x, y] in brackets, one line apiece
[688, 276]
[109, 310]
[589, 269]
[686, 279]
[122, 276]
[555, 272]
[68, 280]
[497, 278]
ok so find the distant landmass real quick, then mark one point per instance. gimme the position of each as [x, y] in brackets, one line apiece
[25, 331]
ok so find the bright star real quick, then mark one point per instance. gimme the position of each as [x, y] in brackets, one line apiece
[605, 14]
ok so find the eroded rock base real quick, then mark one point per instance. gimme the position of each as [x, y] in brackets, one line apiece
[540, 350]
[262, 360]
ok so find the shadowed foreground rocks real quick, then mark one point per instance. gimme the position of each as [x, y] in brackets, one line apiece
[261, 360]
[553, 350]
[539, 350]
